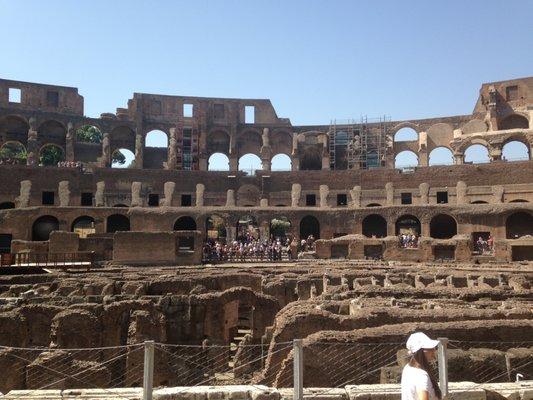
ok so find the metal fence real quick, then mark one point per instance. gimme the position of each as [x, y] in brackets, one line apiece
[291, 365]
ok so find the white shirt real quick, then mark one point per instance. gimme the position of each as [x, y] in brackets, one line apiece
[414, 379]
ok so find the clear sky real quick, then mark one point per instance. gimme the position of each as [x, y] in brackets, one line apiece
[316, 60]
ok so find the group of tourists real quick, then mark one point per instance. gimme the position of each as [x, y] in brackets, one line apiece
[408, 241]
[70, 164]
[482, 246]
[307, 244]
[247, 248]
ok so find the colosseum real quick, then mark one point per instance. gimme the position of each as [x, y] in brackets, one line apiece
[226, 270]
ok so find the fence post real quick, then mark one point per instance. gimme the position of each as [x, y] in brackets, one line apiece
[443, 365]
[298, 369]
[148, 378]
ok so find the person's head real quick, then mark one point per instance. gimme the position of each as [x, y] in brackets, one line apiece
[423, 351]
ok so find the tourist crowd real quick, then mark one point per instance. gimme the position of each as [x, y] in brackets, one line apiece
[246, 248]
[70, 164]
[307, 244]
[408, 241]
[482, 246]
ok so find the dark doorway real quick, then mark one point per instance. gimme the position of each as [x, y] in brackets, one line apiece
[444, 252]
[442, 226]
[185, 224]
[117, 223]
[519, 224]
[43, 226]
[374, 225]
[522, 253]
[309, 225]
[5, 243]
[7, 205]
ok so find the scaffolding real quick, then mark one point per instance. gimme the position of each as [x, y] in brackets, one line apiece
[358, 145]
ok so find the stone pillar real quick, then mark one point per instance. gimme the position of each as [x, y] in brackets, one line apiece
[458, 158]
[233, 163]
[136, 200]
[295, 163]
[202, 150]
[325, 161]
[264, 230]
[266, 151]
[263, 202]
[230, 198]
[495, 151]
[64, 193]
[105, 161]
[33, 145]
[324, 192]
[139, 150]
[424, 193]
[200, 190]
[461, 192]
[168, 189]
[497, 194]
[266, 164]
[231, 233]
[99, 196]
[172, 150]
[296, 192]
[389, 192]
[355, 194]
[423, 159]
[23, 200]
[69, 142]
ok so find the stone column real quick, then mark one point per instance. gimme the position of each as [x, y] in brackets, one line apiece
[296, 192]
[266, 151]
[459, 158]
[233, 163]
[423, 160]
[295, 163]
[168, 189]
[324, 192]
[461, 193]
[424, 193]
[139, 150]
[136, 200]
[69, 142]
[99, 196]
[105, 161]
[495, 151]
[23, 200]
[497, 194]
[389, 192]
[230, 198]
[172, 149]
[263, 202]
[355, 194]
[325, 161]
[202, 150]
[64, 193]
[200, 190]
[33, 145]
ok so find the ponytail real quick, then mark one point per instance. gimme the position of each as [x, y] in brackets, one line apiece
[421, 359]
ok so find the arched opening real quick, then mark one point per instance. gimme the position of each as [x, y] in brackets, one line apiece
[374, 226]
[373, 205]
[441, 156]
[311, 160]
[122, 158]
[478, 202]
[515, 150]
[405, 159]
[249, 163]
[53, 132]
[218, 162]
[279, 228]
[215, 228]
[514, 121]
[408, 225]
[120, 205]
[342, 140]
[247, 228]
[51, 155]
[13, 153]
[89, 134]
[42, 227]
[405, 135]
[442, 226]
[476, 154]
[281, 162]
[14, 128]
[518, 225]
[7, 205]
[185, 223]
[218, 142]
[309, 225]
[83, 226]
[117, 223]
[519, 201]
[156, 138]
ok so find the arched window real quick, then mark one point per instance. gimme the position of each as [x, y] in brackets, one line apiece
[122, 158]
[309, 225]
[51, 155]
[405, 135]
[311, 160]
[218, 162]
[83, 226]
[117, 223]
[43, 226]
[249, 163]
[215, 227]
[441, 156]
[478, 202]
[476, 154]
[442, 226]
[281, 162]
[279, 227]
[13, 153]
[515, 151]
[514, 121]
[374, 225]
[373, 205]
[156, 138]
[518, 225]
[405, 159]
[89, 134]
[185, 224]
[408, 224]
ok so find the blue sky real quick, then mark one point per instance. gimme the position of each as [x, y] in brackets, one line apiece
[316, 60]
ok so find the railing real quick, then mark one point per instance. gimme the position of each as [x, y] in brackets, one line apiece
[79, 260]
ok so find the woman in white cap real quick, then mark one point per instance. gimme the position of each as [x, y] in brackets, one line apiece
[418, 382]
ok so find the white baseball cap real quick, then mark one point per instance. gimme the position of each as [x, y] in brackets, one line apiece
[419, 340]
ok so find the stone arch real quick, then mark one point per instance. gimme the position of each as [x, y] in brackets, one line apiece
[52, 132]
[156, 138]
[249, 142]
[514, 121]
[477, 153]
[441, 155]
[117, 223]
[124, 161]
[309, 225]
[250, 163]
[247, 225]
[14, 128]
[408, 224]
[442, 226]
[83, 226]
[43, 226]
[281, 142]
[374, 225]
[515, 150]
[478, 202]
[50, 154]
[406, 159]
[122, 136]
[404, 124]
[6, 205]
[311, 160]
[13, 152]
[279, 226]
[519, 224]
[406, 134]
[185, 223]
[373, 205]
[218, 141]
[155, 149]
[519, 201]
[215, 227]
[218, 162]
[281, 162]
[88, 133]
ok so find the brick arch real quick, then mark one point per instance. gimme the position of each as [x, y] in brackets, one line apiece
[471, 141]
[14, 127]
[249, 142]
[521, 120]
[218, 141]
[405, 124]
